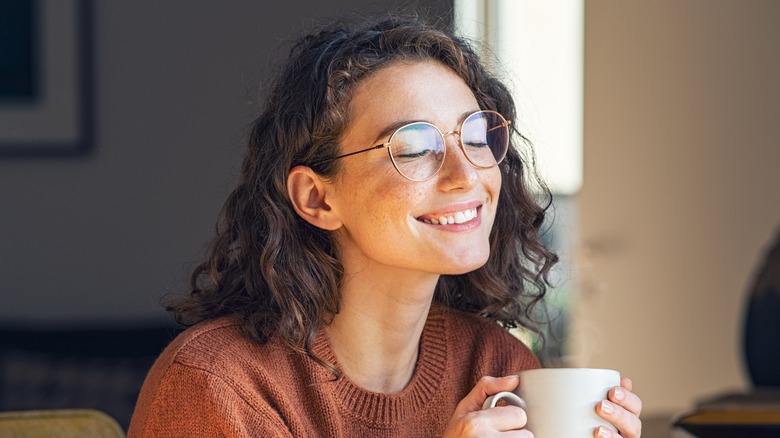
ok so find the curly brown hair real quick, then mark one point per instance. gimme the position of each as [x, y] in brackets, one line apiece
[279, 274]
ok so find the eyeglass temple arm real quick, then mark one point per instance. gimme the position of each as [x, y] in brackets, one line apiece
[351, 153]
[507, 123]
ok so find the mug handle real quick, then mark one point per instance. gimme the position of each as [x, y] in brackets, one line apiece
[509, 397]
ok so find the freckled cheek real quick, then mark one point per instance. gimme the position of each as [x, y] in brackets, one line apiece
[394, 203]
[382, 195]
[494, 184]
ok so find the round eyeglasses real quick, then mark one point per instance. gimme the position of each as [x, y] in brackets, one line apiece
[417, 149]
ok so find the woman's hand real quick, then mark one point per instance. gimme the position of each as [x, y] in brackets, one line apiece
[622, 410]
[469, 420]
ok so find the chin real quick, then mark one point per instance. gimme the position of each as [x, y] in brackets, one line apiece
[460, 268]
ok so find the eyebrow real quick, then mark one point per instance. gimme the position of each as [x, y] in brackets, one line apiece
[394, 126]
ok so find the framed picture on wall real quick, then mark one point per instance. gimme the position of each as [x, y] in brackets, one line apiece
[45, 78]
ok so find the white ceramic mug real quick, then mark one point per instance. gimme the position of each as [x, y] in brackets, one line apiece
[561, 402]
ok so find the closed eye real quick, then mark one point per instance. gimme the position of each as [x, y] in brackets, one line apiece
[477, 144]
[415, 155]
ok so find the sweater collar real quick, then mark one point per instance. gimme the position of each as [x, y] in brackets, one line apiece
[386, 410]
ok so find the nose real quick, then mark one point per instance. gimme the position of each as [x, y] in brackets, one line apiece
[456, 172]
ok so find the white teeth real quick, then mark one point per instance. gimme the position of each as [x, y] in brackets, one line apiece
[459, 217]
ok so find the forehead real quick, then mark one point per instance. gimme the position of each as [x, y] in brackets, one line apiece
[411, 90]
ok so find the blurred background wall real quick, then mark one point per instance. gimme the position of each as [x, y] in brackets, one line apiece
[681, 192]
[682, 149]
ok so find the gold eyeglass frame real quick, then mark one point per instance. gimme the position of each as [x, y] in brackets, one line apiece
[457, 132]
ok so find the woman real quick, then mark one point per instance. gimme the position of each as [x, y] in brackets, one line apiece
[382, 225]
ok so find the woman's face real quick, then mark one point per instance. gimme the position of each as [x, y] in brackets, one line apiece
[388, 221]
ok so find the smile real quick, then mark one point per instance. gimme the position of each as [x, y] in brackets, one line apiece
[455, 217]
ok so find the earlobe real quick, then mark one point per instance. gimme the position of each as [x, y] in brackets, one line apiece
[308, 193]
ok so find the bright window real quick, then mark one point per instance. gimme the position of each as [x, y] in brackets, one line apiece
[538, 52]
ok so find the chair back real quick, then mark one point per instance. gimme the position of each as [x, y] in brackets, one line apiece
[59, 423]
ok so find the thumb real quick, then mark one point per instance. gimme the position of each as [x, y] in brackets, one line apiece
[486, 387]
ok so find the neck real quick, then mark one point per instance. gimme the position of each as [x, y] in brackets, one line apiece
[390, 319]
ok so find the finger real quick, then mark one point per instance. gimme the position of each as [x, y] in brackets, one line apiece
[627, 383]
[605, 432]
[486, 387]
[505, 418]
[626, 422]
[625, 398]
[507, 421]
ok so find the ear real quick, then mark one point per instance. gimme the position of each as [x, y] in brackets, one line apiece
[308, 193]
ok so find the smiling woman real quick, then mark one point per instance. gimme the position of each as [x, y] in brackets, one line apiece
[382, 226]
[390, 237]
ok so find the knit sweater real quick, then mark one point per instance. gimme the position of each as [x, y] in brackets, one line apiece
[213, 381]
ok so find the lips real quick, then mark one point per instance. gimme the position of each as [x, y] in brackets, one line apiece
[453, 217]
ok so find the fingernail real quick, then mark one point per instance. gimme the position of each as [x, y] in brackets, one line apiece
[619, 394]
[606, 407]
[603, 432]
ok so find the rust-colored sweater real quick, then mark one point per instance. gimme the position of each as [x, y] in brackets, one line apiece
[212, 381]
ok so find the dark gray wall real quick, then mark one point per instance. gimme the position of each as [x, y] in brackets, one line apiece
[104, 237]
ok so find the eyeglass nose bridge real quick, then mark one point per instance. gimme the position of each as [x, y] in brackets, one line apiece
[461, 147]
[457, 132]
[454, 132]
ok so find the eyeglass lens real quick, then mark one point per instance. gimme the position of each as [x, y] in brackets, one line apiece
[417, 149]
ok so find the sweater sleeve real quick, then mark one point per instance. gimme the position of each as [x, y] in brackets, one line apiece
[185, 401]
